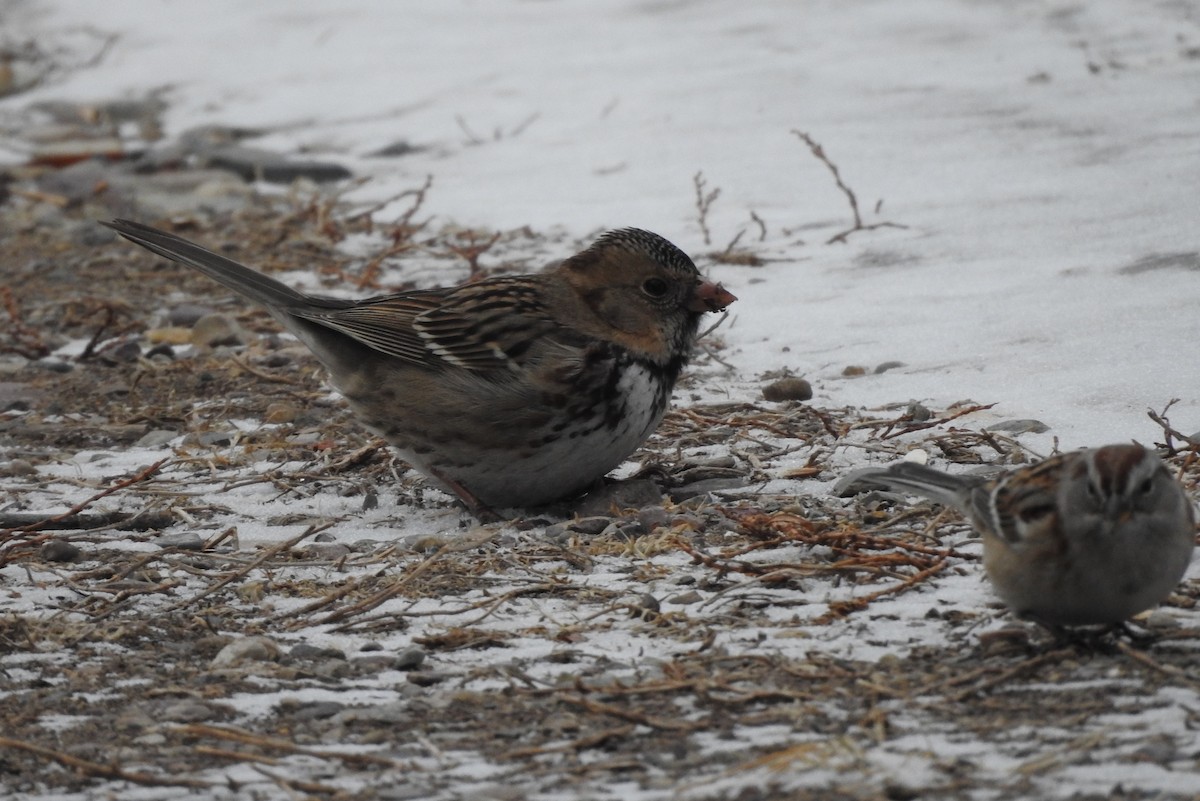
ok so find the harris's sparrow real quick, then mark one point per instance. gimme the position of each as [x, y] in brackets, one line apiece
[512, 391]
[1086, 537]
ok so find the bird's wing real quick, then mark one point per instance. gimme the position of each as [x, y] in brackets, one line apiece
[483, 326]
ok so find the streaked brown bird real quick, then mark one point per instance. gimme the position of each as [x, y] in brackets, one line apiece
[512, 391]
[1086, 537]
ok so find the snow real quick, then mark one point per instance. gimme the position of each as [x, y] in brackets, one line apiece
[1031, 153]
[1039, 162]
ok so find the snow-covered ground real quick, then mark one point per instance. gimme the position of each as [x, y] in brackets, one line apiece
[1038, 163]
[1042, 157]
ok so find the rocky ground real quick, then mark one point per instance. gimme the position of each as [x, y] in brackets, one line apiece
[213, 582]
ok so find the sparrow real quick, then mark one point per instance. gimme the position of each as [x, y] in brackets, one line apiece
[1082, 538]
[513, 391]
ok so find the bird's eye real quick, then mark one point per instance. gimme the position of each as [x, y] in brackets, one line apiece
[1146, 487]
[655, 287]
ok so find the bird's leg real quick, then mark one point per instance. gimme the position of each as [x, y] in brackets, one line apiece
[482, 512]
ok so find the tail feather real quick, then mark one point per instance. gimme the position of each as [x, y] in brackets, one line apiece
[238, 277]
[944, 488]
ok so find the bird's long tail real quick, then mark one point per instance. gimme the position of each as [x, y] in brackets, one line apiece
[238, 277]
[942, 487]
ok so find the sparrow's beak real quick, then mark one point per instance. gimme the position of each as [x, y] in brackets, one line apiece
[710, 297]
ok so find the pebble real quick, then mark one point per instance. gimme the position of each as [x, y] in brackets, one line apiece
[588, 526]
[185, 541]
[785, 389]
[59, 551]
[256, 164]
[630, 494]
[854, 371]
[324, 550]
[651, 518]
[1024, 426]
[684, 598]
[399, 148]
[918, 412]
[16, 396]
[126, 352]
[885, 366]
[393, 712]
[306, 651]
[17, 467]
[648, 602]
[186, 315]
[373, 663]
[246, 649]
[156, 438]
[187, 712]
[332, 669]
[173, 335]
[318, 710]
[213, 438]
[1160, 619]
[280, 412]
[55, 366]
[706, 487]
[214, 330]
[410, 658]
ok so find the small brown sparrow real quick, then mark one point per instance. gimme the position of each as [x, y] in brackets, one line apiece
[1086, 537]
[512, 391]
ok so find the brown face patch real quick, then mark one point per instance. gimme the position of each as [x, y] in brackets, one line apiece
[1113, 467]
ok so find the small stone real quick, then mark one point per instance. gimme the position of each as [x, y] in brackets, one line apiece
[156, 438]
[214, 330]
[895, 791]
[712, 485]
[59, 551]
[651, 518]
[918, 413]
[393, 712]
[630, 494]
[332, 669]
[187, 712]
[215, 438]
[1160, 619]
[126, 352]
[280, 412]
[330, 551]
[410, 658]
[854, 371]
[590, 526]
[398, 148]
[185, 541]
[318, 710]
[885, 366]
[246, 649]
[186, 315]
[1020, 426]
[306, 651]
[374, 663]
[17, 467]
[169, 336]
[785, 389]
[256, 164]
[684, 598]
[17, 397]
[426, 678]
